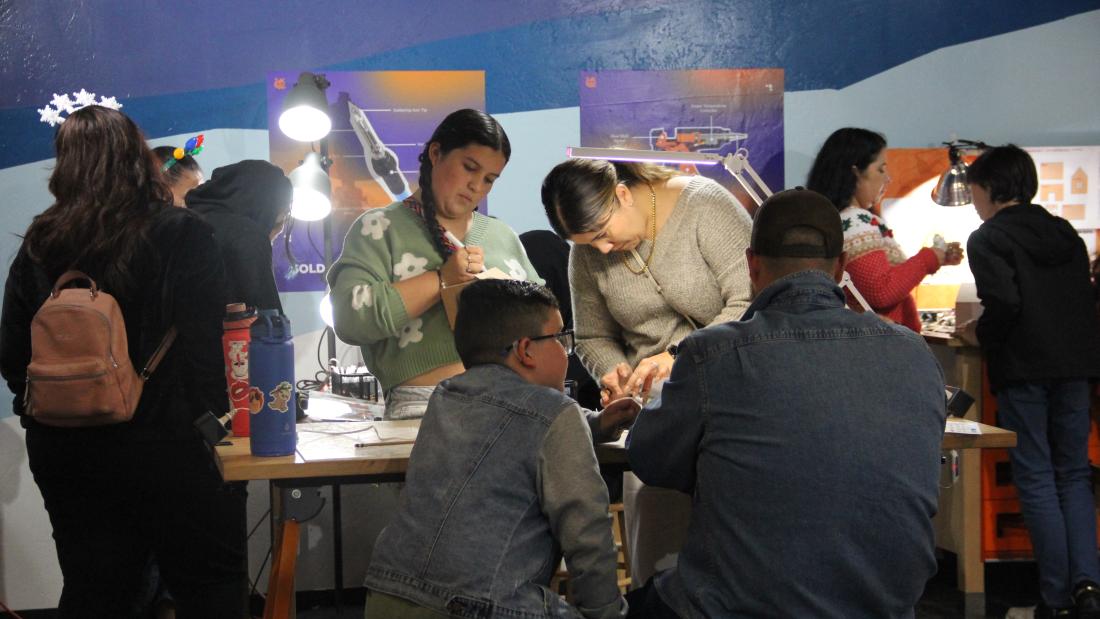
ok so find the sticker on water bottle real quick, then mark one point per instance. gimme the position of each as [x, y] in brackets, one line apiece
[280, 396]
[255, 400]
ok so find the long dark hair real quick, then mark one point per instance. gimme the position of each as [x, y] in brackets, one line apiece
[107, 186]
[579, 194]
[459, 129]
[832, 175]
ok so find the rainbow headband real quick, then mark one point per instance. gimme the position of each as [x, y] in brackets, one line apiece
[191, 148]
[51, 114]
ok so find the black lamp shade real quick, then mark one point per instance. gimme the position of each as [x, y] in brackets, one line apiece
[305, 110]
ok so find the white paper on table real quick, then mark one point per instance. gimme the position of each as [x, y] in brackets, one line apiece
[344, 440]
[395, 431]
[962, 426]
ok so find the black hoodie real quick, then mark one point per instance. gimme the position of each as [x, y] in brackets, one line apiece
[242, 202]
[1032, 273]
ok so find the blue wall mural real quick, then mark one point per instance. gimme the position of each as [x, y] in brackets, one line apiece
[183, 67]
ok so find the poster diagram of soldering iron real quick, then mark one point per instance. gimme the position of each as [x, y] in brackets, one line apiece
[711, 111]
[709, 139]
[380, 122]
[380, 159]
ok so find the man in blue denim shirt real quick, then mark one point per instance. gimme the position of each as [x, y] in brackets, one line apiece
[809, 436]
[503, 479]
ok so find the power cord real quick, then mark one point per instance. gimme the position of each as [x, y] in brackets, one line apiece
[10, 611]
[256, 581]
[258, 574]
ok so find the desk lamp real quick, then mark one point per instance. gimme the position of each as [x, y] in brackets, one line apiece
[736, 163]
[305, 109]
[952, 188]
[305, 118]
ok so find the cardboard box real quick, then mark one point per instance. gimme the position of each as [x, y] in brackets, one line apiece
[450, 293]
[967, 305]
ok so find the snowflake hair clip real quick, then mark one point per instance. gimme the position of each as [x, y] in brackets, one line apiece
[191, 148]
[64, 104]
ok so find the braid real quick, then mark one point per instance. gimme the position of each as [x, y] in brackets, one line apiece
[427, 202]
[459, 129]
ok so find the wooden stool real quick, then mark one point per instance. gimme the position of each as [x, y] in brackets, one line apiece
[618, 532]
[560, 582]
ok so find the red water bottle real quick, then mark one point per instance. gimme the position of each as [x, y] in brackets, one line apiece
[235, 340]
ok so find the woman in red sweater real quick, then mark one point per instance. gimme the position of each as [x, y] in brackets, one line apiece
[850, 170]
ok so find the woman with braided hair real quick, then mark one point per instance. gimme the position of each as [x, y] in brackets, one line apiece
[386, 287]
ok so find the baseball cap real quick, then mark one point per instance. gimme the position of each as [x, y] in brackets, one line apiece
[793, 208]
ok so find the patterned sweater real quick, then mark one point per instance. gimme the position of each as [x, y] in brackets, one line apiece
[700, 263]
[391, 244]
[880, 270]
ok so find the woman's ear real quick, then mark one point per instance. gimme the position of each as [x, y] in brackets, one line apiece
[434, 153]
[622, 192]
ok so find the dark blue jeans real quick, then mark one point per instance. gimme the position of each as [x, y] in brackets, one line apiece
[1050, 467]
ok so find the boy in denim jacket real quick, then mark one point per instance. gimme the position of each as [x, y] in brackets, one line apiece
[503, 478]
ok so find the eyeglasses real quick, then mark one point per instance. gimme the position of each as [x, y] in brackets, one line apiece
[565, 338]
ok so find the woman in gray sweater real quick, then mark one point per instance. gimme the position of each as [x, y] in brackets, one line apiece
[656, 255]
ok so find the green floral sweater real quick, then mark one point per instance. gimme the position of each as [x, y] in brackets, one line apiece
[391, 244]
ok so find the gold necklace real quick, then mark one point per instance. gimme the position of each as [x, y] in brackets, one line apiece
[652, 235]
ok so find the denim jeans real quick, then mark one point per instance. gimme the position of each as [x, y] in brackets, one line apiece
[407, 402]
[1050, 466]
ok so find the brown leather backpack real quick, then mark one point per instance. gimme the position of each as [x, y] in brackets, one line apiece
[80, 372]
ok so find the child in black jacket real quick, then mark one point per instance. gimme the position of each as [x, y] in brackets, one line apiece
[1039, 334]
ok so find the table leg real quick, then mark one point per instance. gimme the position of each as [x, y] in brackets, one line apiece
[290, 505]
[974, 604]
[337, 547]
[971, 564]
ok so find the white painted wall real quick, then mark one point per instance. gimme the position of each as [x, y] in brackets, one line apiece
[1038, 86]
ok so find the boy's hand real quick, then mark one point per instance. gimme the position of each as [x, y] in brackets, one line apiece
[618, 416]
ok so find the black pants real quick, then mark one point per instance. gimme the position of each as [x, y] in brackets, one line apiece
[646, 603]
[115, 504]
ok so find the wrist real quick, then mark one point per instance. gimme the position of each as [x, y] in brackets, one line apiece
[932, 260]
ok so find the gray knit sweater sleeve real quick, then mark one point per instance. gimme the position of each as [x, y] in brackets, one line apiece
[599, 337]
[574, 498]
[724, 232]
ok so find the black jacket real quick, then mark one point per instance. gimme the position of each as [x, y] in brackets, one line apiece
[242, 202]
[179, 280]
[1032, 274]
